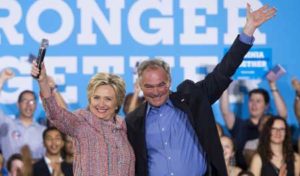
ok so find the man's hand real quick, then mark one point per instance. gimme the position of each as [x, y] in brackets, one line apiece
[296, 85]
[6, 74]
[257, 18]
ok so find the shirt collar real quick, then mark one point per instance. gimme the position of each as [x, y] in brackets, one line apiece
[167, 103]
[18, 121]
[48, 161]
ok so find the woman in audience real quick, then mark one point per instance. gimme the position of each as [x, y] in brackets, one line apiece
[275, 155]
[68, 150]
[101, 144]
[229, 157]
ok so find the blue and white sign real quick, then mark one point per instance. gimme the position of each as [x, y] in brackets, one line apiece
[256, 65]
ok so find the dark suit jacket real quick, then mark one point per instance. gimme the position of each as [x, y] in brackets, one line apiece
[195, 99]
[40, 168]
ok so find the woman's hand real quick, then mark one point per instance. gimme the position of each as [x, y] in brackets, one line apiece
[42, 79]
[36, 72]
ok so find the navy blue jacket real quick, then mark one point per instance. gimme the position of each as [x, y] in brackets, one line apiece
[195, 99]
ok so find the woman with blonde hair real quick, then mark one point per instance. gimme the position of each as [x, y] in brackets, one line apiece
[100, 139]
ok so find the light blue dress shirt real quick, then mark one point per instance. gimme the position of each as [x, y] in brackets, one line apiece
[14, 135]
[172, 145]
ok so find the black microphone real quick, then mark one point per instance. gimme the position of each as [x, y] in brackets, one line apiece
[41, 55]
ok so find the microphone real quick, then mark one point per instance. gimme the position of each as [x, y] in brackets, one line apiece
[41, 55]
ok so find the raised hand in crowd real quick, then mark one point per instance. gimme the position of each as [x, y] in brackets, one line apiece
[278, 100]
[5, 75]
[296, 86]
[135, 100]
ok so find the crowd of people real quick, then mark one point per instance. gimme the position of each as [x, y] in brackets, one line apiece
[163, 133]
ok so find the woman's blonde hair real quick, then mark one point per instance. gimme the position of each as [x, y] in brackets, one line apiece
[115, 81]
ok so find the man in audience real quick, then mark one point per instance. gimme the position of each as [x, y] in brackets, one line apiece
[15, 133]
[52, 163]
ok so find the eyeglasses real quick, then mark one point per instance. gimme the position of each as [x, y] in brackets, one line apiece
[276, 130]
[30, 102]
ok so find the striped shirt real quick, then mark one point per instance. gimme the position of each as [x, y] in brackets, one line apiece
[101, 147]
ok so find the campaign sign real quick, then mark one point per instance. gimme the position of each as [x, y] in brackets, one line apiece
[255, 65]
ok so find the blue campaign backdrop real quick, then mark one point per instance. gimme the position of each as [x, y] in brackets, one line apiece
[112, 36]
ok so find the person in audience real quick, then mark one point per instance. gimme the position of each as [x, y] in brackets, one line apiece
[15, 165]
[251, 145]
[132, 100]
[68, 150]
[275, 155]
[228, 149]
[101, 144]
[3, 171]
[173, 131]
[296, 86]
[219, 129]
[52, 163]
[243, 130]
[15, 133]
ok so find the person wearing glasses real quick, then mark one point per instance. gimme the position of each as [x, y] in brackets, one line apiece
[15, 133]
[275, 154]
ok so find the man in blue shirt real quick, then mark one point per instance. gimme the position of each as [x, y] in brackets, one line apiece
[15, 133]
[174, 133]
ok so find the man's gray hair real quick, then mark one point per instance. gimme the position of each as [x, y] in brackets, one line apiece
[154, 64]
